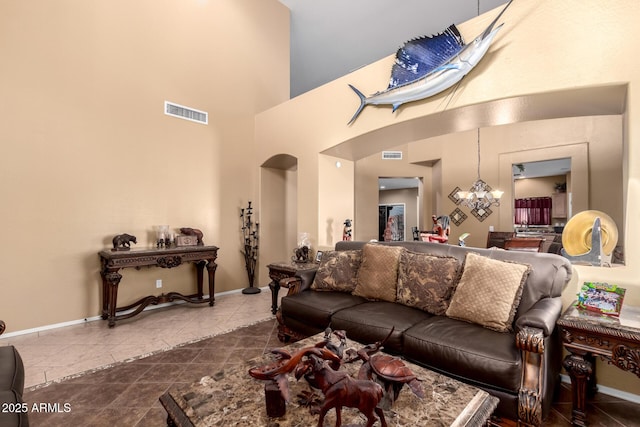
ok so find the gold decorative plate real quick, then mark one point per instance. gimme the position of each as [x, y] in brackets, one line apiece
[576, 237]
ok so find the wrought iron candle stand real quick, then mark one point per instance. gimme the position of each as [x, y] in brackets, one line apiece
[250, 237]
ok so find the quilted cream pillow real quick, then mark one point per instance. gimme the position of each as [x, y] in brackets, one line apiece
[378, 274]
[338, 271]
[489, 292]
[427, 281]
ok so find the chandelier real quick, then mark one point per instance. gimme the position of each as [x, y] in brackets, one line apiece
[480, 195]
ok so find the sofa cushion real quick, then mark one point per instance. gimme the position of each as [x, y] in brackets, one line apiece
[426, 281]
[378, 274]
[488, 292]
[465, 351]
[372, 321]
[338, 271]
[316, 308]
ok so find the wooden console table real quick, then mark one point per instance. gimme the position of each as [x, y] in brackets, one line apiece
[587, 335]
[113, 261]
[284, 270]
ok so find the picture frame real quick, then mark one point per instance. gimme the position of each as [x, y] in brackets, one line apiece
[319, 256]
[603, 298]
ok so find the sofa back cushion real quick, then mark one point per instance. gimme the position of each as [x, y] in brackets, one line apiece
[427, 281]
[549, 274]
[378, 274]
[489, 292]
[338, 271]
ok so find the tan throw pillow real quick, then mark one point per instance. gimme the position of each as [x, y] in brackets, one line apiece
[489, 292]
[338, 271]
[378, 275]
[427, 281]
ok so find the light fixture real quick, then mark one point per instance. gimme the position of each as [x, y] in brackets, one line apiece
[480, 195]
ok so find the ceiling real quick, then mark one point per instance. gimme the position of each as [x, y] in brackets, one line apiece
[397, 183]
[331, 38]
[543, 168]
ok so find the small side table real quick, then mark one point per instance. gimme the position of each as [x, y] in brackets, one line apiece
[587, 335]
[284, 270]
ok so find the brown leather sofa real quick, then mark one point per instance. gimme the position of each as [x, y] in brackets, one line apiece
[520, 367]
[13, 411]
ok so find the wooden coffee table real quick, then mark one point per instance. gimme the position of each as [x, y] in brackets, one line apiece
[232, 397]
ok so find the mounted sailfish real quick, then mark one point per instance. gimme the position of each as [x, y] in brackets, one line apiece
[428, 65]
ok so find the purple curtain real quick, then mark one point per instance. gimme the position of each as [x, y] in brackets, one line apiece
[533, 211]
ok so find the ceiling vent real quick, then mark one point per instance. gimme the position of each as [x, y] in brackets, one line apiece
[392, 155]
[187, 113]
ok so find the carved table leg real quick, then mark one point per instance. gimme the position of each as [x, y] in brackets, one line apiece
[211, 270]
[199, 277]
[275, 288]
[111, 280]
[580, 370]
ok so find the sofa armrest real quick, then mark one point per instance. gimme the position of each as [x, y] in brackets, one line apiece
[543, 315]
[534, 329]
[299, 283]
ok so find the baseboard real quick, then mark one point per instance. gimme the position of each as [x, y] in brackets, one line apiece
[609, 391]
[94, 318]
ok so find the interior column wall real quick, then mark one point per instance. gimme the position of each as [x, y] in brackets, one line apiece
[335, 184]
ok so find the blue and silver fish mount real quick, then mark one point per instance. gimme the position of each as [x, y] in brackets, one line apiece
[429, 65]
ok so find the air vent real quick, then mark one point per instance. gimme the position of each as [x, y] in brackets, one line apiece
[392, 155]
[182, 112]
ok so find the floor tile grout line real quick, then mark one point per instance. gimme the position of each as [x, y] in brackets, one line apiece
[608, 415]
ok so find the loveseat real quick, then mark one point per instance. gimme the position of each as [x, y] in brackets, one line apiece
[13, 411]
[483, 316]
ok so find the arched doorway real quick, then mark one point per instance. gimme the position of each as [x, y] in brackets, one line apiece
[278, 210]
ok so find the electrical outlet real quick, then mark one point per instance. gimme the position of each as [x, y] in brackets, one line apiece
[159, 283]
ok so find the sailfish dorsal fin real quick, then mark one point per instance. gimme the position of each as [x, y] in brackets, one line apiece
[418, 57]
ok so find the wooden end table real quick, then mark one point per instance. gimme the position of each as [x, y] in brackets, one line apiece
[586, 335]
[284, 270]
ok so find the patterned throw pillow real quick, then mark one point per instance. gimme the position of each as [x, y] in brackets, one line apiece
[489, 292]
[427, 281]
[338, 271]
[378, 275]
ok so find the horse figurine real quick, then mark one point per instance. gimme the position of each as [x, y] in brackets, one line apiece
[340, 389]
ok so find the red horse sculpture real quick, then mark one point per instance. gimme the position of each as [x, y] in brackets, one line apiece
[340, 390]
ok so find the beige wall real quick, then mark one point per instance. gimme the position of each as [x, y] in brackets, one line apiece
[594, 143]
[521, 79]
[368, 195]
[87, 152]
[536, 187]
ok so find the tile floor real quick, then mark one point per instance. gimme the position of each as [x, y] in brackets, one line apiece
[127, 394]
[59, 353]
